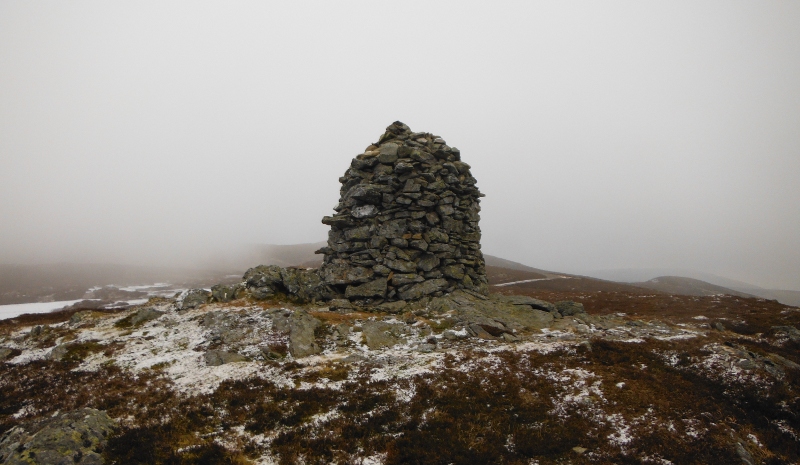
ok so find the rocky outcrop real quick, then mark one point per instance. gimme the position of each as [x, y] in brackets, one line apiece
[263, 282]
[192, 298]
[75, 437]
[406, 225]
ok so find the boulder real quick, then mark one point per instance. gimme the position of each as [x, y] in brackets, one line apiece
[531, 302]
[569, 308]
[76, 437]
[302, 341]
[789, 332]
[263, 276]
[192, 298]
[215, 358]
[5, 353]
[145, 314]
[380, 334]
[226, 293]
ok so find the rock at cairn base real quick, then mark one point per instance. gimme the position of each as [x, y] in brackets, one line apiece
[406, 225]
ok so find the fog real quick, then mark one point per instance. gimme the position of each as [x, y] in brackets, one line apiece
[605, 135]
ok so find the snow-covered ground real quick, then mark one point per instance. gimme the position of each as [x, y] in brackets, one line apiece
[152, 290]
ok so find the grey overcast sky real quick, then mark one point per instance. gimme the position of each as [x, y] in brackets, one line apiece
[613, 134]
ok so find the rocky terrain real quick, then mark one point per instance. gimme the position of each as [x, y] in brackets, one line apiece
[591, 377]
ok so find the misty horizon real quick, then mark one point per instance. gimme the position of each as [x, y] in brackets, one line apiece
[605, 136]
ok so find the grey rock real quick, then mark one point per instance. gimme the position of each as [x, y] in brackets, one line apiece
[425, 348]
[302, 341]
[787, 331]
[376, 288]
[58, 352]
[226, 327]
[379, 334]
[364, 211]
[427, 262]
[454, 271]
[744, 454]
[422, 289]
[306, 285]
[263, 276]
[480, 332]
[144, 315]
[340, 304]
[367, 193]
[76, 437]
[261, 293]
[345, 274]
[353, 358]
[392, 307]
[225, 293]
[80, 317]
[531, 302]
[388, 153]
[451, 335]
[401, 265]
[357, 234]
[5, 353]
[569, 308]
[215, 358]
[400, 279]
[193, 298]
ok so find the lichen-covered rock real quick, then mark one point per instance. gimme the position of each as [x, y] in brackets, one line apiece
[145, 314]
[75, 437]
[226, 292]
[5, 353]
[380, 334]
[569, 308]
[376, 288]
[58, 352]
[305, 285]
[416, 291]
[225, 327]
[302, 341]
[531, 302]
[408, 210]
[215, 358]
[192, 298]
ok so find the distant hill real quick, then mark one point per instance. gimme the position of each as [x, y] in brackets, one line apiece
[687, 286]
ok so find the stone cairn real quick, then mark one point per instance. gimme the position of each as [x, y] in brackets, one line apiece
[406, 225]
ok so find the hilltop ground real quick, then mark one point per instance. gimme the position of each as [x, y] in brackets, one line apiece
[641, 377]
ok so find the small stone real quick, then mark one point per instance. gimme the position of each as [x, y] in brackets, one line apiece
[400, 279]
[364, 211]
[401, 265]
[388, 153]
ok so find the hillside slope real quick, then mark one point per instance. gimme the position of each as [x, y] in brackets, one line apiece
[687, 286]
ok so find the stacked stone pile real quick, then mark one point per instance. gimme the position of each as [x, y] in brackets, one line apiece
[406, 225]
